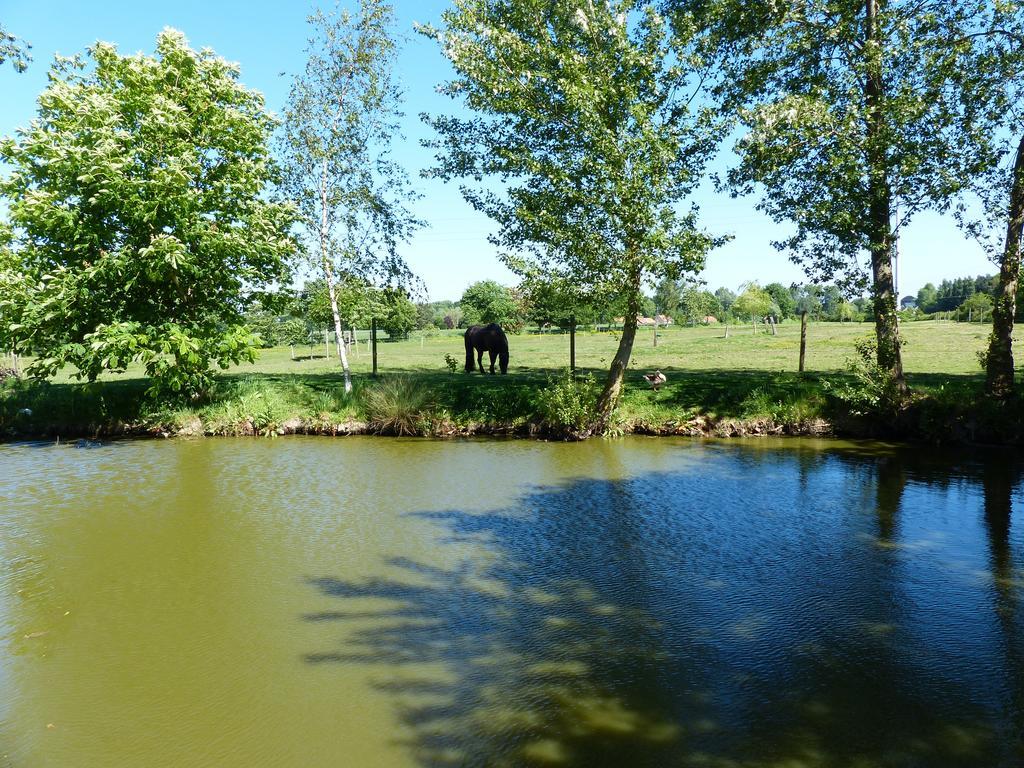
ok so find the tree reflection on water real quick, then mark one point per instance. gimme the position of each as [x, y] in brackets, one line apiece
[774, 608]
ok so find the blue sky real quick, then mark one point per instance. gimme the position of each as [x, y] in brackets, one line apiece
[267, 38]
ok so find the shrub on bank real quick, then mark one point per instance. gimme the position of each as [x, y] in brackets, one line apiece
[398, 405]
[567, 403]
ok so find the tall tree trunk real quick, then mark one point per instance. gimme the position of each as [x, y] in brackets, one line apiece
[339, 339]
[999, 360]
[881, 244]
[609, 397]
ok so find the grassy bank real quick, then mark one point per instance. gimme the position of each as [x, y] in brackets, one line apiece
[737, 385]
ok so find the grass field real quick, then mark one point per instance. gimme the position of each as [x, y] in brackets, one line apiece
[744, 376]
[931, 348]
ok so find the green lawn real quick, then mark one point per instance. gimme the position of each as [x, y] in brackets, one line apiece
[931, 347]
[745, 376]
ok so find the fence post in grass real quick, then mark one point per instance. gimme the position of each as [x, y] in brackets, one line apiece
[327, 343]
[572, 345]
[373, 343]
[803, 338]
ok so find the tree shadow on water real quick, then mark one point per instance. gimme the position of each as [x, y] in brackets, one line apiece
[582, 628]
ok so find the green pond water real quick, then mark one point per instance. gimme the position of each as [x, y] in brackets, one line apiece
[404, 603]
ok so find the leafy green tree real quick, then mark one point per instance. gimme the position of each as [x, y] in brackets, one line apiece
[697, 304]
[265, 325]
[453, 318]
[295, 332]
[138, 195]
[725, 298]
[313, 305]
[399, 313]
[783, 299]
[831, 298]
[851, 112]
[487, 301]
[359, 303]
[808, 299]
[976, 307]
[668, 297]
[556, 302]
[755, 302]
[425, 316]
[15, 50]
[13, 291]
[926, 298]
[998, 83]
[845, 311]
[864, 308]
[585, 113]
[339, 125]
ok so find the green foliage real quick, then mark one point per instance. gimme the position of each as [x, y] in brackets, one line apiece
[567, 402]
[425, 316]
[926, 298]
[266, 326]
[793, 405]
[451, 363]
[951, 294]
[803, 75]
[585, 113]
[138, 198]
[753, 302]
[870, 389]
[339, 124]
[668, 297]
[849, 112]
[487, 301]
[845, 311]
[783, 299]
[251, 407]
[977, 306]
[696, 304]
[551, 301]
[399, 316]
[294, 332]
[15, 50]
[399, 405]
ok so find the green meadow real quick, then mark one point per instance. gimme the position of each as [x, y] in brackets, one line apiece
[746, 376]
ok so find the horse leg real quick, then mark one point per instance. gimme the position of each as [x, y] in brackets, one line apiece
[494, 356]
[480, 359]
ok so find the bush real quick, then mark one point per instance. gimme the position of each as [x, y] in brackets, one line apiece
[399, 405]
[871, 390]
[567, 403]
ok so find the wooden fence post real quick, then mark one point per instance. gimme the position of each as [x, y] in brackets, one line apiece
[803, 338]
[572, 345]
[373, 343]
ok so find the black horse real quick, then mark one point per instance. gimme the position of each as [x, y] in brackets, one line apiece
[486, 338]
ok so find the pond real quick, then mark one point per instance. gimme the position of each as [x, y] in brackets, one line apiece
[644, 602]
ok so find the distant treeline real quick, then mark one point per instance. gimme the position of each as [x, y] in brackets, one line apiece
[953, 294]
[300, 316]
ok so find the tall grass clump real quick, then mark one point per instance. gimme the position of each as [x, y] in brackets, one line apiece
[253, 406]
[398, 405]
[793, 405]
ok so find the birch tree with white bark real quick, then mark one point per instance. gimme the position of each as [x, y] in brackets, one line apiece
[339, 128]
